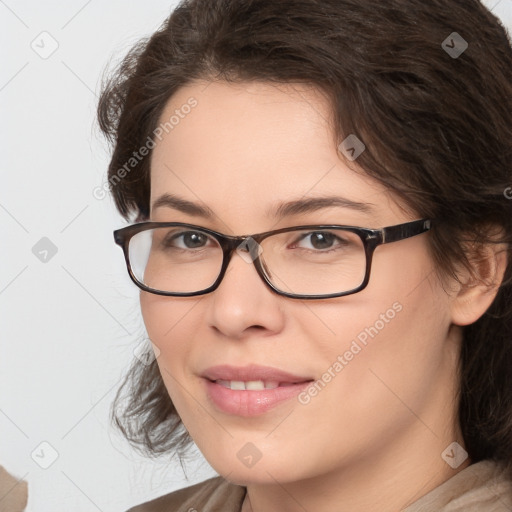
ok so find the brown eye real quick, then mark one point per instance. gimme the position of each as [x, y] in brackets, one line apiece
[184, 240]
[320, 241]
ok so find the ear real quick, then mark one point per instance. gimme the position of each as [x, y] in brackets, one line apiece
[479, 284]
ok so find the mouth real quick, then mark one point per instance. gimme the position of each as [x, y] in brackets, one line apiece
[252, 385]
[251, 390]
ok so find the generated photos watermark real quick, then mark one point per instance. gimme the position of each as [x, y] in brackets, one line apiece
[357, 345]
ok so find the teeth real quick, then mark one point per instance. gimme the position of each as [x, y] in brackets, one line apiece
[252, 385]
[255, 385]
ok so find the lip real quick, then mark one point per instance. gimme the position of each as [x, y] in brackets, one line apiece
[252, 372]
[251, 402]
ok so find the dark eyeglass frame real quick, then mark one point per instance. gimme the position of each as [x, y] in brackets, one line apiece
[371, 239]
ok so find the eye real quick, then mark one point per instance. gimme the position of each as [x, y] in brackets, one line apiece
[320, 241]
[186, 240]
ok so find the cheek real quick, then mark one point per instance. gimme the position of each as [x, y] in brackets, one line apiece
[410, 347]
[388, 341]
[380, 365]
[158, 317]
[170, 326]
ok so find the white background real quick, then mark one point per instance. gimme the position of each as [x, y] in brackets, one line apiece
[69, 326]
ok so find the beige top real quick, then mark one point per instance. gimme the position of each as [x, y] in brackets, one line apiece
[481, 487]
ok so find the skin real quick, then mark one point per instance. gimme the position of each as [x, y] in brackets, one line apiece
[373, 437]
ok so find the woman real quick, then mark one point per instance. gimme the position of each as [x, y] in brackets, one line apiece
[322, 243]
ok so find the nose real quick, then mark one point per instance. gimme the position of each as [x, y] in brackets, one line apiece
[243, 303]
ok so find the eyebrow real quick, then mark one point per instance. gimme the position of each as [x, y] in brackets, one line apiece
[312, 204]
[183, 205]
[289, 208]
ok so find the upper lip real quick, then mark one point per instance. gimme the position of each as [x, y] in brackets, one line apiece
[251, 373]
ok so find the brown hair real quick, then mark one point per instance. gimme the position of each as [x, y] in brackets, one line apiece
[437, 132]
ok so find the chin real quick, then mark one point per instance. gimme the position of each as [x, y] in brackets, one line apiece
[274, 468]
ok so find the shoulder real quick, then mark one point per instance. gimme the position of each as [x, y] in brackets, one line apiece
[215, 494]
[485, 486]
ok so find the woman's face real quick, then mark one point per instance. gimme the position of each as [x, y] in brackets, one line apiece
[385, 356]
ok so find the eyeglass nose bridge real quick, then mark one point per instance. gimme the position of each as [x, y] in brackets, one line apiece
[249, 249]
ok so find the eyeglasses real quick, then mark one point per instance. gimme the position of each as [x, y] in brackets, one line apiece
[302, 262]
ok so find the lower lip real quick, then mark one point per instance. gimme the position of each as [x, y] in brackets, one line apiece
[251, 402]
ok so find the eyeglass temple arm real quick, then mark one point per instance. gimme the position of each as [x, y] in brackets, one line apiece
[396, 233]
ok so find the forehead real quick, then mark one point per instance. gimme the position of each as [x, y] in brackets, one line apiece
[240, 148]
